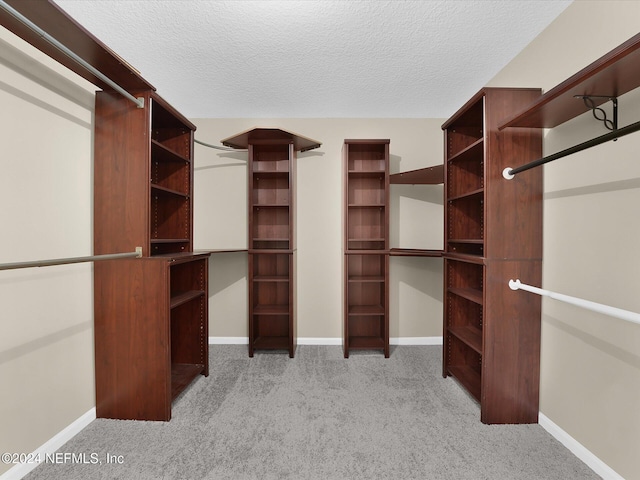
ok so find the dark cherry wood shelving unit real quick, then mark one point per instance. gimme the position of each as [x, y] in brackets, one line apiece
[151, 314]
[366, 245]
[612, 75]
[493, 232]
[272, 246]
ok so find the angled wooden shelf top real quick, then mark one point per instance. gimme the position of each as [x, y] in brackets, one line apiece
[49, 17]
[266, 136]
[612, 75]
[422, 176]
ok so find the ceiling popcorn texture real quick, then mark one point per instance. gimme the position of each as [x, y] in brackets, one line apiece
[316, 59]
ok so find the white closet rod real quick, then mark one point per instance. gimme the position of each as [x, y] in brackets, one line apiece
[28, 23]
[596, 307]
[64, 261]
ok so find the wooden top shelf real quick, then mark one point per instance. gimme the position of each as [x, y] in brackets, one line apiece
[422, 176]
[270, 136]
[613, 74]
[56, 22]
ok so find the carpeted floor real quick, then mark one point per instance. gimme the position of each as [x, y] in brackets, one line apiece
[320, 416]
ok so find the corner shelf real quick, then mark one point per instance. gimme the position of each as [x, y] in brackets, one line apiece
[422, 176]
[613, 74]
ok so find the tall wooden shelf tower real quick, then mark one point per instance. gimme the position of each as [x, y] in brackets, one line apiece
[366, 245]
[271, 242]
[493, 232]
[151, 314]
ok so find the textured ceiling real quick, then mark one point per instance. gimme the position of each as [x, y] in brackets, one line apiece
[318, 59]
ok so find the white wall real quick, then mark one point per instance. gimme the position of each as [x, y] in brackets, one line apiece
[416, 222]
[46, 314]
[590, 368]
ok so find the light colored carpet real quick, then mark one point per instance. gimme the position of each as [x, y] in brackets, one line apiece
[320, 416]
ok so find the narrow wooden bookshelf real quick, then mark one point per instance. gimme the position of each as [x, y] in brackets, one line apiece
[366, 245]
[272, 246]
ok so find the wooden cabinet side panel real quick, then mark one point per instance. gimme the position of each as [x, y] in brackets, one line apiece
[121, 175]
[513, 208]
[132, 340]
[511, 350]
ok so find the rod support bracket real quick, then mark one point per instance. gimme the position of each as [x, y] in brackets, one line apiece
[138, 252]
[599, 113]
[506, 173]
[140, 102]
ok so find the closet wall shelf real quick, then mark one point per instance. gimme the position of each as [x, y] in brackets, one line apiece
[414, 252]
[422, 176]
[612, 75]
[55, 21]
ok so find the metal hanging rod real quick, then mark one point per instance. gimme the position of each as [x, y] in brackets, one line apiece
[226, 149]
[509, 172]
[64, 261]
[48, 38]
[596, 307]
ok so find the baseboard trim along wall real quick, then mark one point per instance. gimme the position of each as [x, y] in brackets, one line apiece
[49, 448]
[579, 450]
[330, 341]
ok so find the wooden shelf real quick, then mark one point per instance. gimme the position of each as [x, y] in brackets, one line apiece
[271, 310]
[470, 335]
[473, 193]
[415, 252]
[366, 310]
[472, 152]
[468, 378]
[366, 343]
[168, 191]
[464, 257]
[469, 241]
[271, 343]
[366, 278]
[472, 294]
[184, 297]
[613, 74]
[165, 154]
[182, 375]
[422, 176]
[367, 173]
[271, 278]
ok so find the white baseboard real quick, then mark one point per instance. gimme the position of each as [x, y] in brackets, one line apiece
[319, 341]
[330, 341]
[228, 341]
[579, 450]
[21, 469]
[416, 341]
